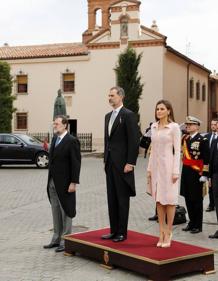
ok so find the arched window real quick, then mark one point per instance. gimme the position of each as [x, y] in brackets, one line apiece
[203, 92]
[124, 27]
[198, 90]
[191, 88]
[98, 18]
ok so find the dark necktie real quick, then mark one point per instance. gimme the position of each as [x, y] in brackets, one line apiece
[212, 138]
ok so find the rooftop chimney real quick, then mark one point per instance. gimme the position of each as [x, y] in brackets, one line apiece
[154, 26]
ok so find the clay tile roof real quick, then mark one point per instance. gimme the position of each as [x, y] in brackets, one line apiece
[43, 51]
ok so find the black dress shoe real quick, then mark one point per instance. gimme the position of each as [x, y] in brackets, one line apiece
[108, 236]
[195, 230]
[60, 249]
[214, 236]
[210, 209]
[119, 238]
[187, 228]
[51, 245]
[154, 218]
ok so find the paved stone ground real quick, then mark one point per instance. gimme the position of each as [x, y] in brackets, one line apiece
[26, 225]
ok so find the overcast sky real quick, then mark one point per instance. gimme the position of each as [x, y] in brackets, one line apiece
[190, 25]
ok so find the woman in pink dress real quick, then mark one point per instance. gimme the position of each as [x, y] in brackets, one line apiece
[164, 168]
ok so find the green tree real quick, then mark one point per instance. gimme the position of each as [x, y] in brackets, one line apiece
[6, 99]
[128, 78]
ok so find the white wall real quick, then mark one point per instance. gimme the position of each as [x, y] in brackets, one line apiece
[93, 79]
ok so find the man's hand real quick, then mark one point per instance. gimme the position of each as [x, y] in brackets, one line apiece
[128, 168]
[148, 174]
[148, 177]
[72, 188]
[209, 182]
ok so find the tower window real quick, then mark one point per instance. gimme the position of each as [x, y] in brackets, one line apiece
[98, 18]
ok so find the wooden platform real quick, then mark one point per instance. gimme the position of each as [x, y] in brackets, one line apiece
[139, 254]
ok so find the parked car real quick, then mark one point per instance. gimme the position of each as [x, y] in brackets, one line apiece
[22, 149]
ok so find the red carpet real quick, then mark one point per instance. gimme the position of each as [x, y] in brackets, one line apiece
[142, 245]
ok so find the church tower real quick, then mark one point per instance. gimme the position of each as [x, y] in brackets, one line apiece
[112, 12]
[93, 7]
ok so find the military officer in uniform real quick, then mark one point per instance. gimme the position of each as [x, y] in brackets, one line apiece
[194, 173]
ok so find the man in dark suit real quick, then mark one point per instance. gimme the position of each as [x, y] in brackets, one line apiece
[211, 136]
[194, 173]
[213, 175]
[120, 155]
[64, 172]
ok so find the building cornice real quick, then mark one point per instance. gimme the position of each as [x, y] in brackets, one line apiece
[153, 31]
[107, 45]
[146, 43]
[48, 60]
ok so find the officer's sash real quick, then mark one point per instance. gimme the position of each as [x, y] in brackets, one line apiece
[195, 164]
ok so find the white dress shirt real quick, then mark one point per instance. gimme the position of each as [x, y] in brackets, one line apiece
[114, 114]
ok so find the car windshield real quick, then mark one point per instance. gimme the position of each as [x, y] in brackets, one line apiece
[29, 140]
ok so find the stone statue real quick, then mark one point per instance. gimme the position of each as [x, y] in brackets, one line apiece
[59, 105]
[124, 27]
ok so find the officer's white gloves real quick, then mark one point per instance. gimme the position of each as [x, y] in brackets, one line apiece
[203, 179]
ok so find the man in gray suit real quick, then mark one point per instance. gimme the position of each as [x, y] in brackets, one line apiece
[64, 172]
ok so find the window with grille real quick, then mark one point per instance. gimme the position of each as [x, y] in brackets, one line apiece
[198, 90]
[69, 82]
[191, 88]
[21, 121]
[22, 85]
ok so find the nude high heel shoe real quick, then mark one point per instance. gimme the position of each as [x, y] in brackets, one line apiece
[167, 244]
[159, 243]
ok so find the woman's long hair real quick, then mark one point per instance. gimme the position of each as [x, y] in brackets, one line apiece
[169, 107]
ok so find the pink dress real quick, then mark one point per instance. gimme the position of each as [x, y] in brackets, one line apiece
[164, 161]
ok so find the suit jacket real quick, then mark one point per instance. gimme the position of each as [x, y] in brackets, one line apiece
[122, 144]
[64, 168]
[208, 136]
[213, 164]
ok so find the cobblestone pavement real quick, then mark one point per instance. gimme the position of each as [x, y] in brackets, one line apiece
[26, 225]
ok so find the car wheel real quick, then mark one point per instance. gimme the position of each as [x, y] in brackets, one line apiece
[42, 160]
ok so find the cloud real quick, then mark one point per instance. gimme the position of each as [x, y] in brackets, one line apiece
[185, 22]
[26, 22]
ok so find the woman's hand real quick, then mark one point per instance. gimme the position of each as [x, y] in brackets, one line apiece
[175, 178]
[148, 176]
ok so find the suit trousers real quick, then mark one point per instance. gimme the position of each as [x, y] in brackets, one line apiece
[211, 198]
[215, 191]
[118, 195]
[195, 212]
[62, 224]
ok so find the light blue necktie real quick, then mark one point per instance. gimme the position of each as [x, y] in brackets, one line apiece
[58, 140]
